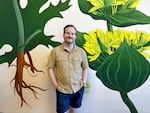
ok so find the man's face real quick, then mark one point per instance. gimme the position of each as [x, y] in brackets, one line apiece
[69, 35]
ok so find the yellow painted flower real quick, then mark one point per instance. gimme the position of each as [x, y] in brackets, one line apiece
[97, 4]
[132, 3]
[112, 41]
[91, 42]
[118, 2]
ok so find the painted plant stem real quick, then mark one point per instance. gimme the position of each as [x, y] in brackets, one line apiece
[20, 26]
[20, 62]
[128, 102]
[109, 27]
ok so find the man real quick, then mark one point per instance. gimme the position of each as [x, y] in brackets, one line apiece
[68, 72]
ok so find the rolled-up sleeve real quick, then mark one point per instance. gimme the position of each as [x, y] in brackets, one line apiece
[84, 60]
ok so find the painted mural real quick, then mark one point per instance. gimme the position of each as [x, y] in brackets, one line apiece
[118, 56]
[24, 33]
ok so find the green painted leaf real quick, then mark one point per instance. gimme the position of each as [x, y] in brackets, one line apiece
[8, 23]
[121, 70]
[128, 18]
[8, 30]
[23, 29]
[41, 39]
[121, 18]
[34, 21]
[80, 39]
[147, 44]
[8, 57]
[86, 6]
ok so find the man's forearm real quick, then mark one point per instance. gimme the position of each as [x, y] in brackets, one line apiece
[52, 77]
[84, 75]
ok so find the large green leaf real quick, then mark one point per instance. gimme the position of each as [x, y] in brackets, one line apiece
[128, 17]
[120, 18]
[41, 39]
[34, 21]
[8, 30]
[8, 24]
[8, 57]
[86, 6]
[80, 39]
[26, 25]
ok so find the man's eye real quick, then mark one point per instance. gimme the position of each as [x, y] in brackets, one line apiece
[70, 33]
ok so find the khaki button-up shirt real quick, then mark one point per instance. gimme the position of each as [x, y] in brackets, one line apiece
[68, 68]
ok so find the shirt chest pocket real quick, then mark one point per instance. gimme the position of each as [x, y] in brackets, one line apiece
[76, 63]
[61, 63]
[61, 59]
[76, 59]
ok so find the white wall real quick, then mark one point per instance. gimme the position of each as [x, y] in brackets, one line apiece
[100, 99]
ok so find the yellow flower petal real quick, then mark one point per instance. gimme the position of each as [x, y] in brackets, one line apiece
[118, 2]
[133, 3]
[112, 40]
[97, 4]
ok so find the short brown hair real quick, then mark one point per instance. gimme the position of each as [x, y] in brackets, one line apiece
[69, 25]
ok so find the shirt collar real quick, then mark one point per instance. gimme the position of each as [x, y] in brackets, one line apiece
[75, 47]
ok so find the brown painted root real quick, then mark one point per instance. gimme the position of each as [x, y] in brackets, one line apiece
[19, 82]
